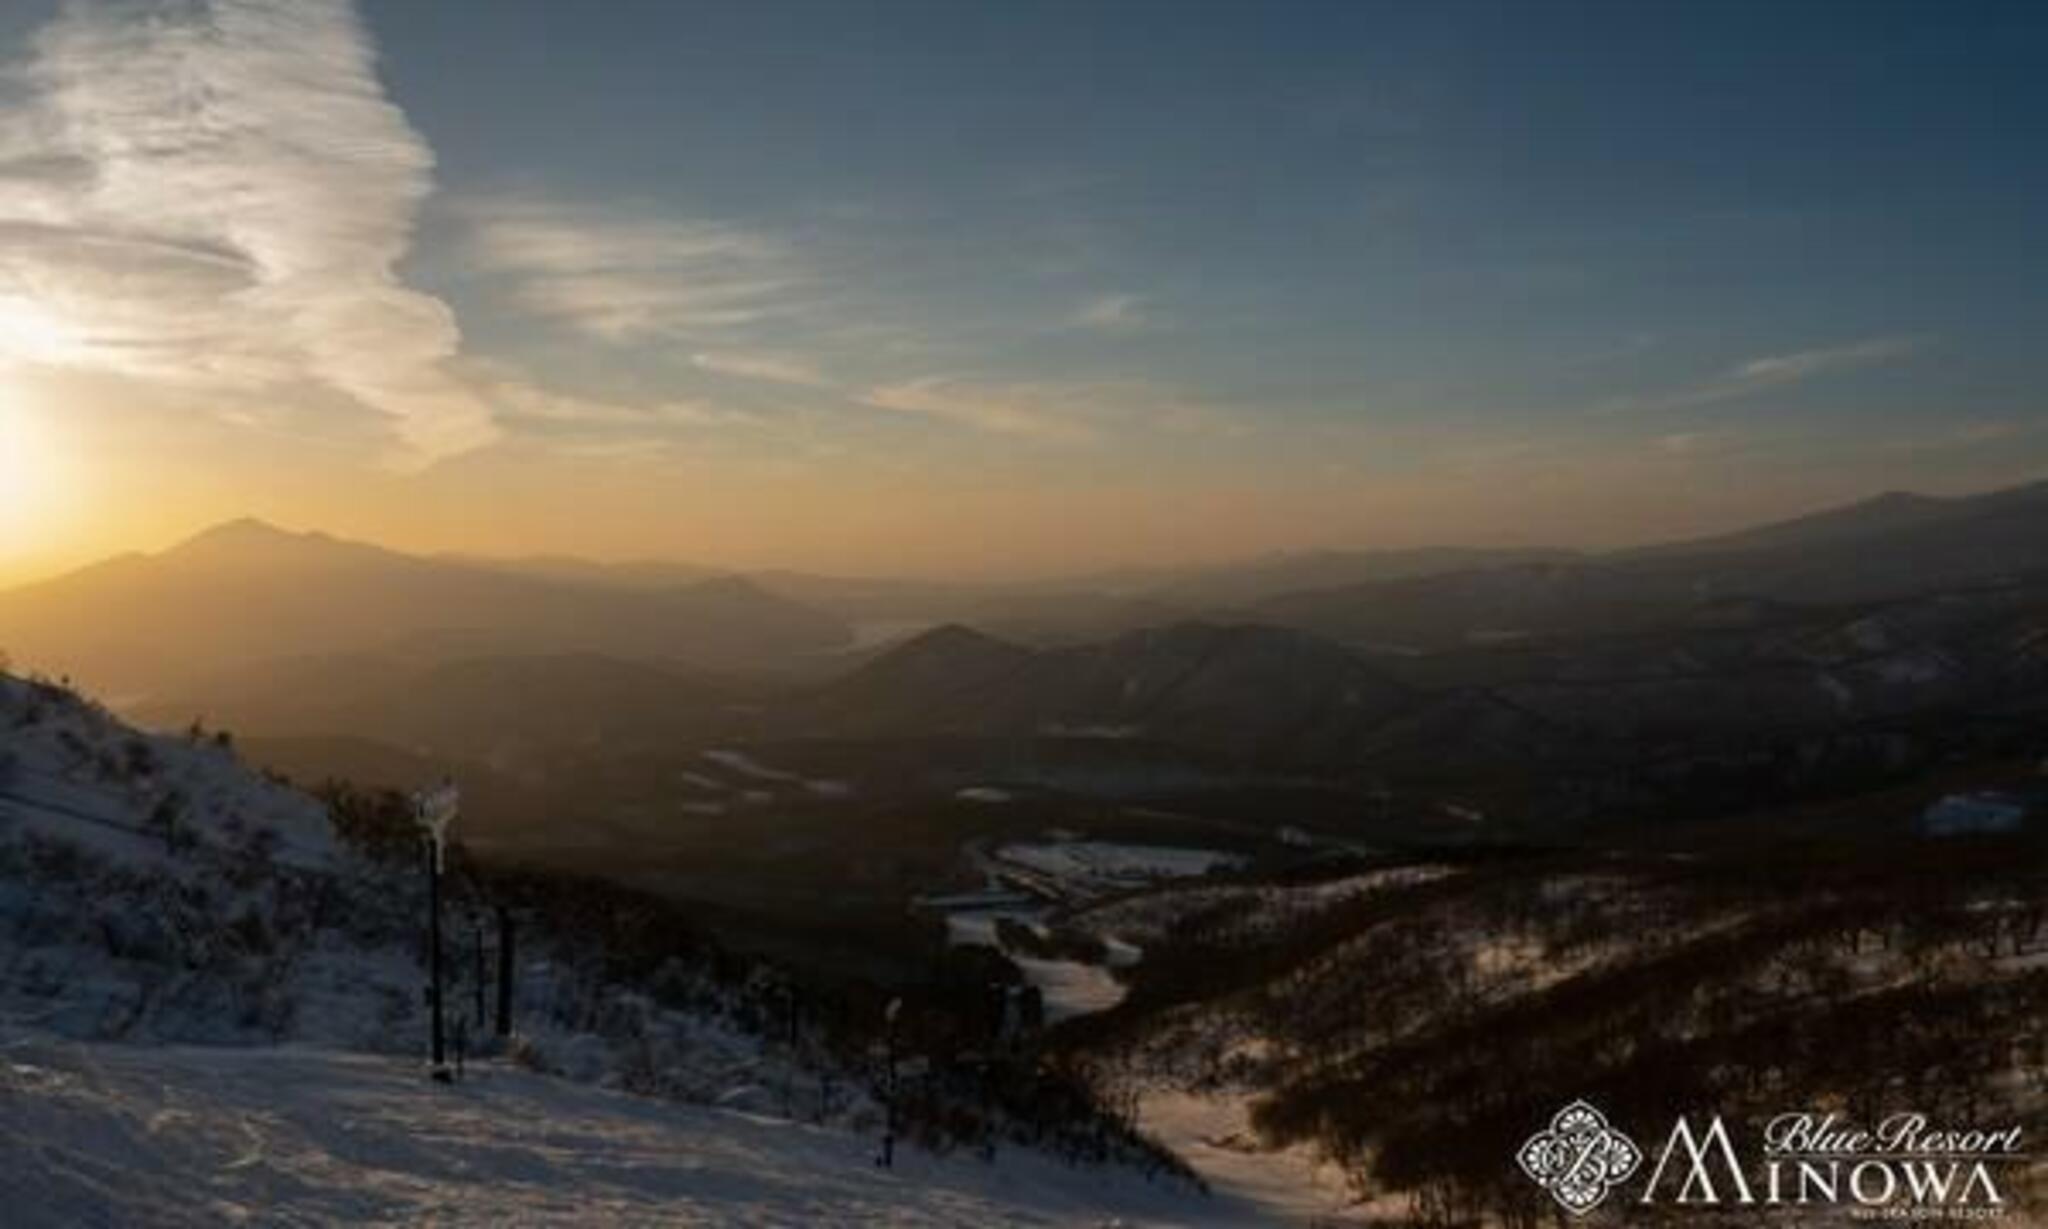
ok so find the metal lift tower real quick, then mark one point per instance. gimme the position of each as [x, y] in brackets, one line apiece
[436, 809]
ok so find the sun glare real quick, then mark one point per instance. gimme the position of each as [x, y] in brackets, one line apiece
[32, 333]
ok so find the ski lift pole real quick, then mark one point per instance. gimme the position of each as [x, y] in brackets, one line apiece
[895, 1008]
[476, 934]
[505, 958]
[435, 809]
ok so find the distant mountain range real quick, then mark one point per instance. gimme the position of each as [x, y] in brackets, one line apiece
[247, 592]
[1889, 547]
[1436, 597]
[1246, 584]
[1440, 660]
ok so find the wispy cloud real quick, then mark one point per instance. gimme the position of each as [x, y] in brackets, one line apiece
[1059, 412]
[218, 193]
[1758, 375]
[1967, 435]
[758, 365]
[1032, 411]
[1701, 444]
[619, 277]
[1805, 364]
[1112, 313]
[527, 402]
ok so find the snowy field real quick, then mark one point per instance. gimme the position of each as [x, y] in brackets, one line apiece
[746, 766]
[113, 1135]
[1085, 869]
[1071, 870]
[1290, 1186]
[1070, 987]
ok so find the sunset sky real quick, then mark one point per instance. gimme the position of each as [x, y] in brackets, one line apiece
[1008, 288]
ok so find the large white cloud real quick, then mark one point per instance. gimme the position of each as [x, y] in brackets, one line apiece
[218, 193]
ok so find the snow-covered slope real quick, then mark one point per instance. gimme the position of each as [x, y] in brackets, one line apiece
[118, 1135]
[153, 887]
[70, 769]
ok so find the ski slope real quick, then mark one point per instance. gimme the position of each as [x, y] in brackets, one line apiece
[97, 1134]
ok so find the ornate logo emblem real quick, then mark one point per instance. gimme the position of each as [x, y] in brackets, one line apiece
[1579, 1158]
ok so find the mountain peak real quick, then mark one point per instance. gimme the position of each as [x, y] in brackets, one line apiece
[951, 638]
[251, 540]
[245, 525]
[241, 531]
[946, 651]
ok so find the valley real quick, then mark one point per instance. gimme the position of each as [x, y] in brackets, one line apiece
[1232, 882]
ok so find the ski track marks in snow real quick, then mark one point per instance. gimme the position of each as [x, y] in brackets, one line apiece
[97, 1134]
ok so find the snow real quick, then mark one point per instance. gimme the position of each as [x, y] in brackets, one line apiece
[747, 766]
[984, 793]
[1096, 866]
[108, 933]
[976, 925]
[74, 771]
[1071, 869]
[966, 927]
[1121, 955]
[1070, 987]
[1212, 1133]
[108, 1134]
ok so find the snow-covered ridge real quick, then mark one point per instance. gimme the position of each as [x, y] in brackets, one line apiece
[69, 767]
[153, 888]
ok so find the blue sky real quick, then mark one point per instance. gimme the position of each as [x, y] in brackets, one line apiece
[1335, 273]
[1328, 208]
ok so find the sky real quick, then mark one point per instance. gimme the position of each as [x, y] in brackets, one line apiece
[1008, 288]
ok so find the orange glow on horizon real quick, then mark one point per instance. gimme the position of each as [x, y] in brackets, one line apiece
[32, 481]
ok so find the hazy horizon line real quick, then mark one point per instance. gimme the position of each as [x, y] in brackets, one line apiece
[1196, 563]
